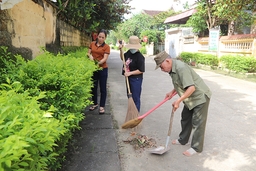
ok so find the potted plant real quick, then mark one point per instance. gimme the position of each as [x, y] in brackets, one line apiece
[192, 62]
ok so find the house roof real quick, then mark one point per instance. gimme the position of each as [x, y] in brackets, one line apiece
[180, 18]
[231, 37]
[151, 12]
[239, 36]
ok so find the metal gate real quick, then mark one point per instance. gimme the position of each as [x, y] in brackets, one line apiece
[159, 47]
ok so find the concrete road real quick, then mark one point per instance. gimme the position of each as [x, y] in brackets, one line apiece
[230, 140]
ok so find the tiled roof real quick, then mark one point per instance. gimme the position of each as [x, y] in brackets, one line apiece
[151, 12]
[180, 18]
[231, 37]
[239, 36]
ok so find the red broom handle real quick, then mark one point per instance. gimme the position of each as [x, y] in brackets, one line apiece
[154, 108]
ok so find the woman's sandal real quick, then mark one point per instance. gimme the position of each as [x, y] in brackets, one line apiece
[102, 111]
[93, 107]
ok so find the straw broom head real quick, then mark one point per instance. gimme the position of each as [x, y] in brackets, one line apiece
[132, 111]
[132, 123]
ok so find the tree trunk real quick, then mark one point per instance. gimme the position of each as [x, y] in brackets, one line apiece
[231, 28]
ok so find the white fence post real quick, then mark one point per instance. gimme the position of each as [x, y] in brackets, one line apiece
[254, 47]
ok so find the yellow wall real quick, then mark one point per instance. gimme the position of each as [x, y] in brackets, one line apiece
[33, 26]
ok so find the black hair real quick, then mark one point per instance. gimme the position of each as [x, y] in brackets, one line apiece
[103, 31]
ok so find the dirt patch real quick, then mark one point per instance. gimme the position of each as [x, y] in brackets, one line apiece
[140, 142]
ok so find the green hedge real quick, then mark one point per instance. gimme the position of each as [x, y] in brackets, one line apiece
[61, 84]
[200, 58]
[235, 63]
[28, 134]
[187, 57]
[240, 64]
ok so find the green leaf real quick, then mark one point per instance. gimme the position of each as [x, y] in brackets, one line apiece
[48, 115]
[30, 140]
[24, 164]
[8, 163]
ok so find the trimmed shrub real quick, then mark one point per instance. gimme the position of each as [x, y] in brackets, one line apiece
[235, 63]
[207, 59]
[240, 64]
[28, 134]
[200, 58]
[187, 57]
[61, 84]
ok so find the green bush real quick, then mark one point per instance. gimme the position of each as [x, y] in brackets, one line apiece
[66, 83]
[143, 50]
[239, 64]
[199, 58]
[187, 57]
[9, 64]
[207, 59]
[27, 134]
[235, 63]
[66, 79]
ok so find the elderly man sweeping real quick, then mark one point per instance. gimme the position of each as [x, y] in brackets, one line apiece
[194, 94]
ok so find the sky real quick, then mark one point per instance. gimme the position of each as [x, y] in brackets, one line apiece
[159, 5]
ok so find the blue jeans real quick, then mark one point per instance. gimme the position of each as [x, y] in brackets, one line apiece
[100, 77]
[135, 87]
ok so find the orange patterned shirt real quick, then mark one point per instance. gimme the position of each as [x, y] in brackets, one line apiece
[99, 51]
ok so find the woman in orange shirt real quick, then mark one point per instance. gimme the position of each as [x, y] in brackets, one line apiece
[99, 51]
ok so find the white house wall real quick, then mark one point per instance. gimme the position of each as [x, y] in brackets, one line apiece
[179, 40]
[173, 42]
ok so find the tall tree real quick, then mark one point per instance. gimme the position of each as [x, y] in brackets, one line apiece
[145, 25]
[157, 34]
[91, 15]
[134, 26]
[235, 12]
[206, 9]
[218, 12]
[158, 20]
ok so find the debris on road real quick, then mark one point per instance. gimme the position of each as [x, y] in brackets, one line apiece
[140, 142]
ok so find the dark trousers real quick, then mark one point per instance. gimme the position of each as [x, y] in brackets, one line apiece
[100, 78]
[136, 87]
[195, 120]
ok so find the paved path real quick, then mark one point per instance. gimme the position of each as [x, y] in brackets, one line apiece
[230, 141]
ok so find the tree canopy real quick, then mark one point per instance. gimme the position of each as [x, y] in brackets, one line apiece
[134, 26]
[92, 15]
[144, 25]
[211, 13]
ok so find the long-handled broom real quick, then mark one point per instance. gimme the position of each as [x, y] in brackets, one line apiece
[134, 122]
[132, 111]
